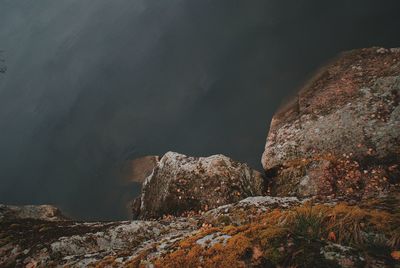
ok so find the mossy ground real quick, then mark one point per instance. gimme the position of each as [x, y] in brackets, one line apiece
[296, 238]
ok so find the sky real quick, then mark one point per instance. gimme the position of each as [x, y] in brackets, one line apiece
[90, 84]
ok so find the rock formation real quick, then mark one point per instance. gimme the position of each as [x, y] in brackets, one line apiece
[254, 232]
[42, 212]
[41, 243]
[180, 184]
[332, 158]
[340, 135]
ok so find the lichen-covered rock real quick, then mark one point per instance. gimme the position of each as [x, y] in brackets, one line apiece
[247, 210]
[346, 257]
[42, 243]
[334, 234]
[266, 232]
[180, 184]
[340, 136]
[40, 212]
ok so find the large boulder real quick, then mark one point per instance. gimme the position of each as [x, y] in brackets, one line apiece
[180, 184]
[340, 135]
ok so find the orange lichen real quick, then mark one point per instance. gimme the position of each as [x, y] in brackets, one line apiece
[276, 237]
[395, 255]
[332, 236]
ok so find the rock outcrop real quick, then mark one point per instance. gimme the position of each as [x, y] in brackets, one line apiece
[340, 135]
[43, 243]
[335, 144]
[42, 212]
[303, 235]
[247, 210]
[181, 184]
[254, 232]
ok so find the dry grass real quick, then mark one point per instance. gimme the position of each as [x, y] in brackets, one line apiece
[284, 237]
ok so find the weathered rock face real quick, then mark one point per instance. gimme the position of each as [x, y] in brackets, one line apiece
[42, 212]
[42, 243]
[248, 210]
[180, 184]
[340, 136]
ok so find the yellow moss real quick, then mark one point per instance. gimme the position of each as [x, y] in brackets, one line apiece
[347, 222]
[137, 261]
[268, 234]
[232, 230]
[273, 231]
[218, 255]
[275, 217]
[229, 229]
[185, 244]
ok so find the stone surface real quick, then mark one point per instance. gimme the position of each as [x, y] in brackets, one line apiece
[42, 212]
[340, 135]
[263, 232]
[346, 257]
[248, 209]
[42, 243]
[180, 184]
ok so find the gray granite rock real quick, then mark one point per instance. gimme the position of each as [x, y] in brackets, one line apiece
[180, 184]
[340, 135]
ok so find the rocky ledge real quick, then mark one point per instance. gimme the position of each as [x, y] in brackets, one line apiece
[332, 171]
[42, 212]
[255, 232]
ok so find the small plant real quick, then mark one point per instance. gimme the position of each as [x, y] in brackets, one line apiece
[294, 237]
[307, 223]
